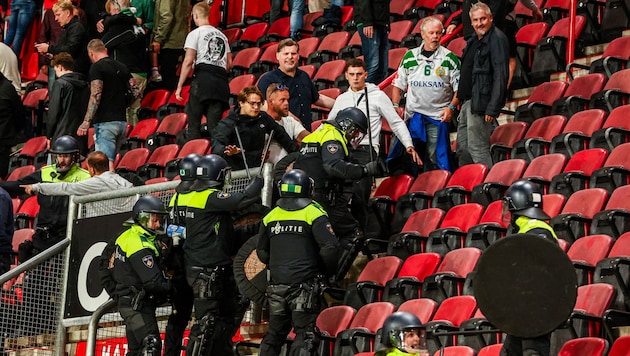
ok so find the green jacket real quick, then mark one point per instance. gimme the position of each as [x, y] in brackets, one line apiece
[170, 23]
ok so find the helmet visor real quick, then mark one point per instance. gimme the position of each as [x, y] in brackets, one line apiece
[411, 340]
[153, 222]
[506, 215]
[355, 136]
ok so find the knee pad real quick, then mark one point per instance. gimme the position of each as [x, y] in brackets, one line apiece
[151, 346]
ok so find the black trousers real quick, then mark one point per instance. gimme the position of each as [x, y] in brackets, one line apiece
[362, 188]
[139, 324]
[182, 300]
[285, 313]
[517, 346]
[169, 58]
[195, 109]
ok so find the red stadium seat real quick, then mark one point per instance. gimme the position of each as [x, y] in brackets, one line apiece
[577, 133]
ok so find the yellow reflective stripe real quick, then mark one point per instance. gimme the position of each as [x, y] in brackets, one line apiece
[76, 174]
[135, 239]
[309, 214]
[327, 133]
[199, 199]
[526, 224]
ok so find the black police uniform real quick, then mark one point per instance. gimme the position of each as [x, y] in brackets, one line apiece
[297, 244]
[140, 284]
[208, 250]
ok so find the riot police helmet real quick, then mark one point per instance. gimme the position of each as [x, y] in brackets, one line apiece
[65, 145]
[353, 123]
[187, 168]
[524, 198]
[403, 331]
[296, 189]
[212, 171]
[150, 213]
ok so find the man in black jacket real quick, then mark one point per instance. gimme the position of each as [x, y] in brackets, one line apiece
[482, 87]
[11, 111]
[68, 101]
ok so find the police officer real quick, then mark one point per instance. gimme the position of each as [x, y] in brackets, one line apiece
[140, 283]
[523, 200]
[208, 254]
[182, 294]
[297, 243]
[324, 158]
[402, 334]
[53, 213]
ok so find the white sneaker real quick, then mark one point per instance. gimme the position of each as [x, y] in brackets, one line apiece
[156, 77]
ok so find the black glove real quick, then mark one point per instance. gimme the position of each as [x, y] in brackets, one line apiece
[254, 187]
[372, 169]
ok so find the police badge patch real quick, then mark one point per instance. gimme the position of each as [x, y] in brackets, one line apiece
[333, 148]
[148, 261]
[223, 195]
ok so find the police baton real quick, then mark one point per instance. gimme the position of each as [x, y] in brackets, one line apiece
[369, 129]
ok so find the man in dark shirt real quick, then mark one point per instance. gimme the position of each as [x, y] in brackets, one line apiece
[302, 91]
[482, 87]
[6, 231]
[10, 111]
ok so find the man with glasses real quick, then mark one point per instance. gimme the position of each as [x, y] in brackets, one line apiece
[243, 134]
[208, 55]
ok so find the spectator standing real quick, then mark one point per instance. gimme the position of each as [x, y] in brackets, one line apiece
[251, 124]
[11, 112]
[68, 101]
[94, 11]
[208, 55]
[109, 80]
[278, 109]
[276, 10]
[379, 107]
[482, 88]
[296, 17]
[298, 244]
[430, 76]
[372, 19]
[170, 27]
[22, 13]
[9, 67]
[6, 232]
[302, 90]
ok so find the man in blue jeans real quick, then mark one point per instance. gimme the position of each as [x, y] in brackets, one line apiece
[107, 106]
[372, 19]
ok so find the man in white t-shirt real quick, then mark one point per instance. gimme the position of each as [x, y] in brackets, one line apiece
[208, 55]
[278, 108]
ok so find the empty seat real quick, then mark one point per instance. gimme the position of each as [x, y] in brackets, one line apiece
[457, 46]
[542, 169]
[459, 187]
[616, 170]
[540, 101]
[266, 62]
[527, 37]
[361, 332]
[423, 308]
[614, 59]
[575, 219]
[167, 130]
[538, 137]
[151, 102]
[499, 178]
[329, 48]
[25, 217]
[371, 282]
[620, 347]
[278, 30]
[614, 219]
[615, 92]
[576, 135]
[398, 30]
[328, 74]
[451, 234]
[139, 134]
[29, 151]
[199, 146]
[615, 270]
[412, 238]
[155, 164]
[238, 83]
[586, 346]
[132, 160]
[448, 317]
[615, 131]
[243, 60]
[250, 36]
[504, 137]
[408, 282]
[448, 280]
[21, 172]
[381, 205]
[490, 228]
[577, 172]
[578, 95]
[585, 252]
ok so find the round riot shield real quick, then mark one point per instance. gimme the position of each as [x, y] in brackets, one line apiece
[525, 285]
[250, 273]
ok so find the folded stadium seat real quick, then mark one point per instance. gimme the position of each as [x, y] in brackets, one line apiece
[307, 24]
[398, 8]
[352, 49]
[155, 164]
[449, 316]
[455, 351]
[614, 59]
[34, 105]
[478, 322]
[586, 319]
[25, 217]
[616, 170]
[21, 172]
[237, 84]
[328, 49]
[553, 204]
[381, 205]
[450, 277]
[574, 221]
[139, 134]
[539, 102]
[397, 31]
[615, 131]
[319, 113]
[554, 10]
[420, 196]
[329, 73]
[614, 219]
[615, 20]
[615, 270]
[499, 178]
[307, 46]
[412, 238]
[527, 37]
[394, 57]
[232, 34]
[167, 130]
[538, 137]
[504, 137]
[576, 135]
[151, 102]
[250, 36]
[457, 46]
[173, 105]
[578, 95]
[542, 169]
[578, 171]
[490, 228]
[459, 187]
[620, 347]
[586, 346]
[422, 9]
[584, 254]
[361, 333]
[408, 282]
[19, 236]
[199, 146]
[370, 284]
[615, 92]
[243, 60]
[451, 234]
[26, 156]
[491, 350]
[422, 308]
[267, 61]
[277, 31]
[132, 160]
[550, 55]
